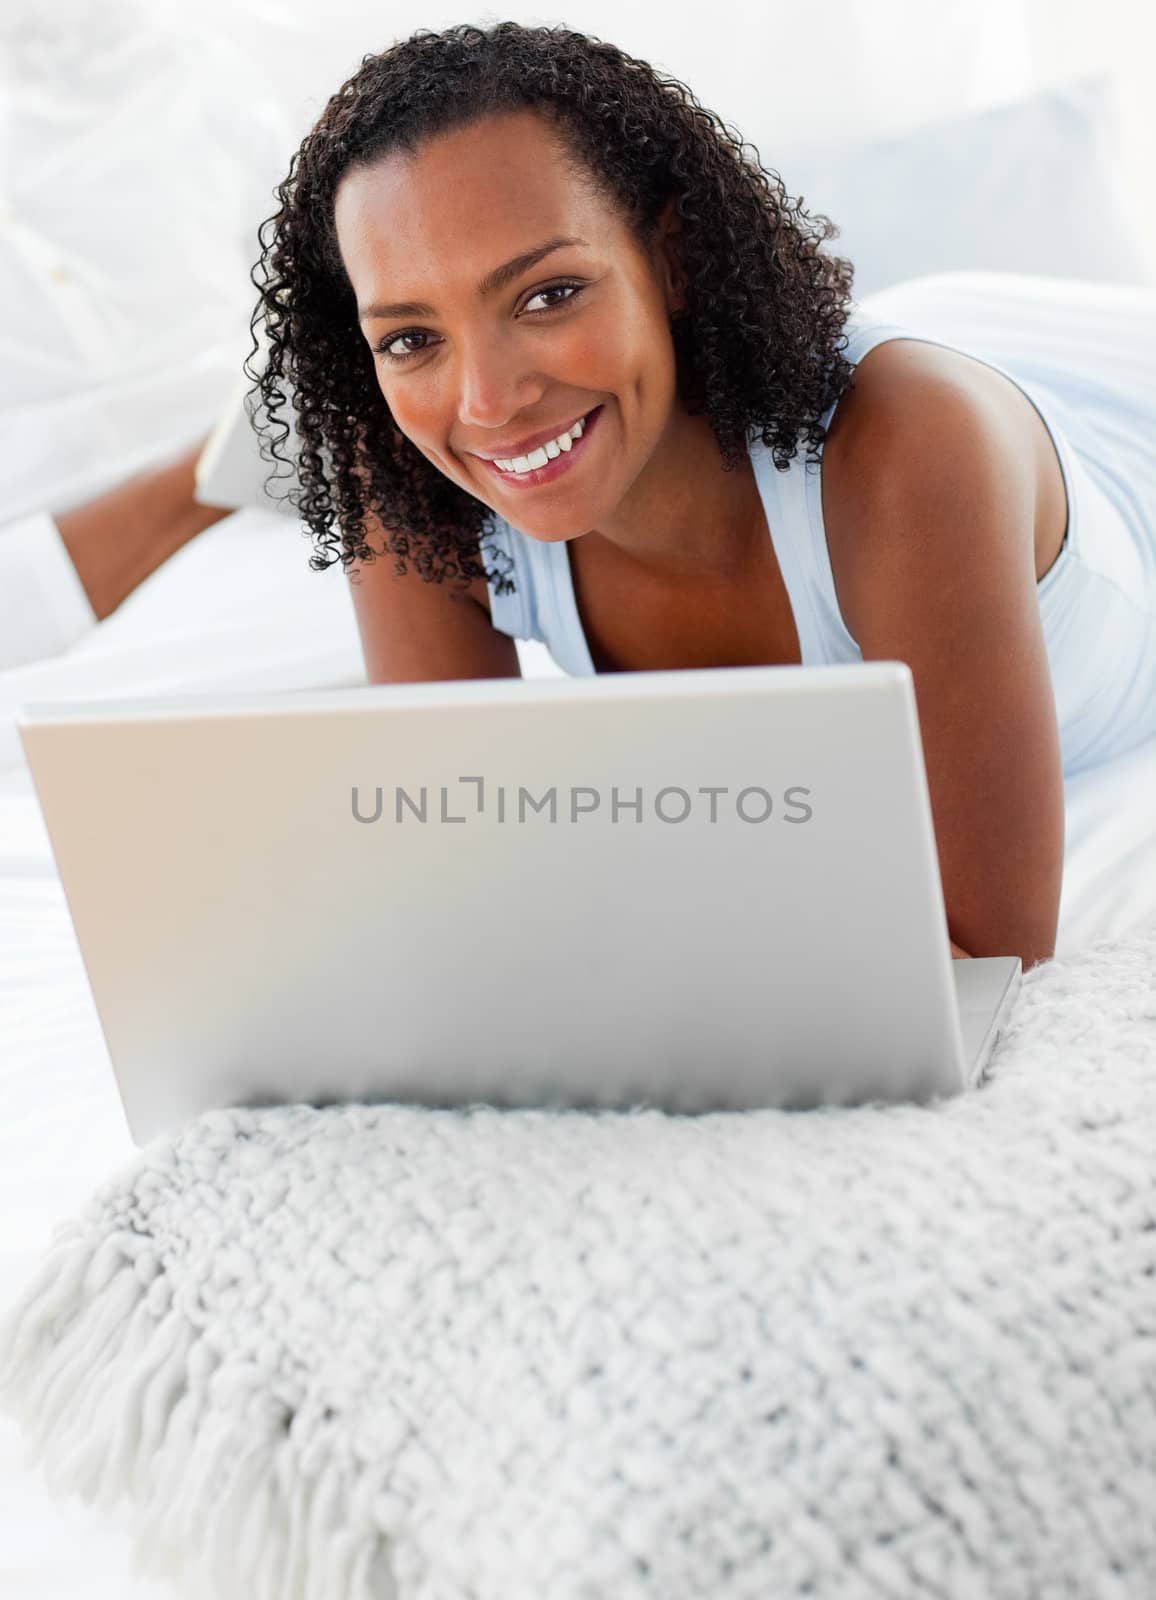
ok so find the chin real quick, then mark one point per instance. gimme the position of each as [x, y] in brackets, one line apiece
[546, 532]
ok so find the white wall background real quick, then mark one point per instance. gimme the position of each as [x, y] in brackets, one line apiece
[844, 70]
[1119, 37]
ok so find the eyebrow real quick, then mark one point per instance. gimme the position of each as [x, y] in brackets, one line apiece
[490, 284]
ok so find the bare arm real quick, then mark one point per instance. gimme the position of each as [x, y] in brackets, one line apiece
[413, 631]
[935, 566]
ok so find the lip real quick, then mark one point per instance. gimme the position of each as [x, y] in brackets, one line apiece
[553, 469]
[527, 445]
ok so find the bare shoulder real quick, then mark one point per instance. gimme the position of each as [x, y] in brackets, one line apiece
[415, 629]
[479, 593]
[911, 385]
[931, 431]
[474, 591]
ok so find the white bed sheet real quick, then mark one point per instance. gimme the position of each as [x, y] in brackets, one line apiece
[239, 610]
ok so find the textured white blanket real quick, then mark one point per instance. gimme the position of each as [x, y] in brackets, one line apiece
[499, 1355]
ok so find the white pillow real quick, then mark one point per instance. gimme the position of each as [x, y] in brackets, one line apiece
[1026, 187]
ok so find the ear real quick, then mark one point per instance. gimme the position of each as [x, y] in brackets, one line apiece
[668, 244]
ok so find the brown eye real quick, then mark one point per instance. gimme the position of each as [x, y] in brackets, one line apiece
[568, 291]
[572, 291]
[385, 348]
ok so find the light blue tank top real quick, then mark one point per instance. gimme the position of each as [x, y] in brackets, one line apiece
[1085, 356]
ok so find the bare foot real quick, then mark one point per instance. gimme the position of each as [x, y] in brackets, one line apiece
[117, 540]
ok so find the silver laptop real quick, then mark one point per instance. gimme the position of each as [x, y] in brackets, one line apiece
[696, 890]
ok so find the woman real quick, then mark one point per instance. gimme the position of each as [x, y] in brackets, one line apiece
[533, 303]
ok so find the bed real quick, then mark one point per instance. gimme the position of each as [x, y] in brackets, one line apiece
[64, 1133]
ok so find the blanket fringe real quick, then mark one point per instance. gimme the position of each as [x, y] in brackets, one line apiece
[113, 1389]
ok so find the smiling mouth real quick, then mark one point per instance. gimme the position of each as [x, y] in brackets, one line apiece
[553, 466]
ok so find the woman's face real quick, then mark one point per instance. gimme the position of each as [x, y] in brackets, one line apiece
[486, 346]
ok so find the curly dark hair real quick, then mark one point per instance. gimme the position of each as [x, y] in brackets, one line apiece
[758, 347]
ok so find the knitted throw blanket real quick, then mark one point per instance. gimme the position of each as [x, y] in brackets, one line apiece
[884, 1351]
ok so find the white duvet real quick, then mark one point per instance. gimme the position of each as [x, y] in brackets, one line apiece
[238, 610]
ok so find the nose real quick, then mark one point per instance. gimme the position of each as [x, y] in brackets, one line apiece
[493, 385]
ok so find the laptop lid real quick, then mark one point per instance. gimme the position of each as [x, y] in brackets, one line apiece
[696, 889]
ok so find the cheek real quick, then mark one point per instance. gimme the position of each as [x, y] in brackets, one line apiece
[573, 352]
[642, 327]
[615, 352]
[414, 409]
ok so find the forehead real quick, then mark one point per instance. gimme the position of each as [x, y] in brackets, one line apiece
[463, 202]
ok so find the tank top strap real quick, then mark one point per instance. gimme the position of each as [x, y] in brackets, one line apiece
[792, 500]
[509, 554]
[543, 607]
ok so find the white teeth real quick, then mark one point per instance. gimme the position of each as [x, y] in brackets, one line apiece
[546, 452]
